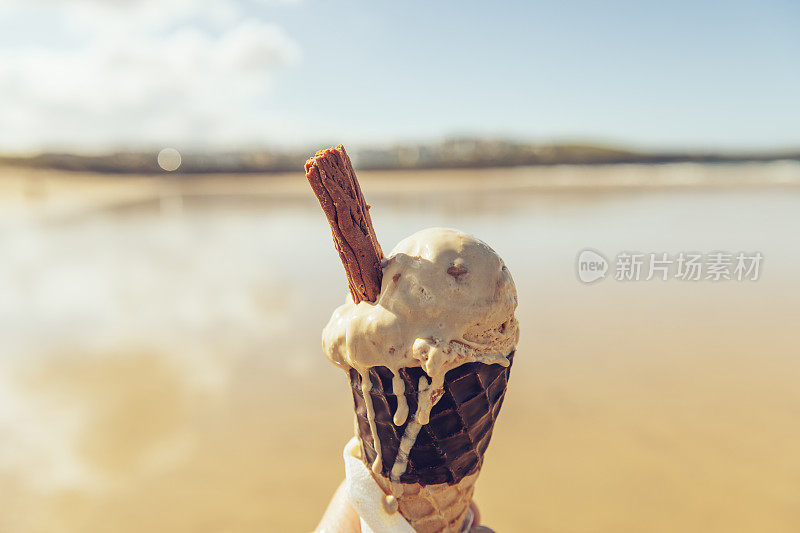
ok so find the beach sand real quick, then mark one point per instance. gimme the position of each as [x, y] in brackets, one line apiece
[142, 317]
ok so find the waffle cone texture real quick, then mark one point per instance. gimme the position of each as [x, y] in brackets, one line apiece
[452, 445]
[440, 508]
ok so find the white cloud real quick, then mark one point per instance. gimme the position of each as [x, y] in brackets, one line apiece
[139, 72]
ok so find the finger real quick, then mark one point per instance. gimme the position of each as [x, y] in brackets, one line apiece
[339, 517]
[476, 514]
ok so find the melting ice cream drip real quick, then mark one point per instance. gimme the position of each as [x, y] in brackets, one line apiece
[424, 405]
[399, 390]
[428, 395]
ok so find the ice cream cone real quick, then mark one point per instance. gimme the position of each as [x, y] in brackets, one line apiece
[439, 508]
[427, 337]
[451, 446]
[435, 491]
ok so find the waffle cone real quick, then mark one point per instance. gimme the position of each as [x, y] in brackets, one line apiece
[435, 491]
[452, 445]
[439, 508]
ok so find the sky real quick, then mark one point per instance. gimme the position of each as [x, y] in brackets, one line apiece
[95, 75]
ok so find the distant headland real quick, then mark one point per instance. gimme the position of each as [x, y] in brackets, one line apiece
[452, 153]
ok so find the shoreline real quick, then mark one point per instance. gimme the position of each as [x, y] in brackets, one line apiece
[51, 192]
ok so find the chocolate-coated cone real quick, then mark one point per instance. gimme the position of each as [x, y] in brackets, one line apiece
[451, 446]
[447, 456]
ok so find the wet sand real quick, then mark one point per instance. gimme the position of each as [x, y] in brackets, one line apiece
[161, 368]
